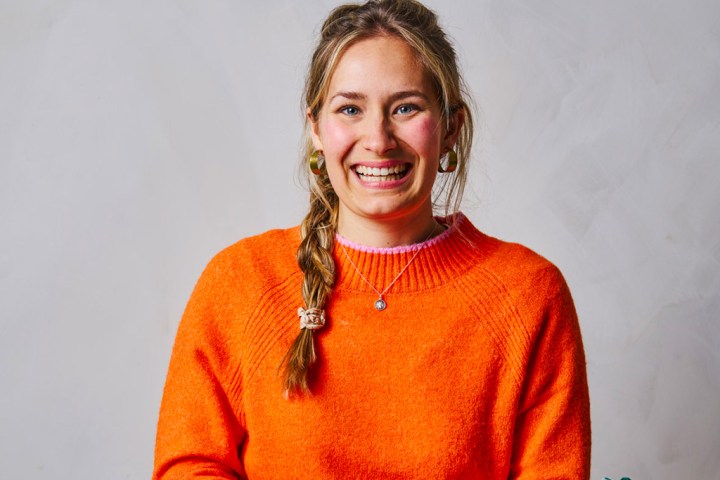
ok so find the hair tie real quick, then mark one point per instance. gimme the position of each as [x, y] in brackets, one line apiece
[312, 318]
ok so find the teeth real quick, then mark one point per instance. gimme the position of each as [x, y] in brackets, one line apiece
[380, 172]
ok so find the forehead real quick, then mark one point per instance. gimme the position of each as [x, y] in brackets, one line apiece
[379, 65]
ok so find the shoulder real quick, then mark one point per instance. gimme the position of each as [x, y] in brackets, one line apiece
[525, 276]
[265, 258]
[521, 268]
[523, 296]
[269, 247]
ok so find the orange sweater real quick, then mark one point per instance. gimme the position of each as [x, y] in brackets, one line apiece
[475, 369]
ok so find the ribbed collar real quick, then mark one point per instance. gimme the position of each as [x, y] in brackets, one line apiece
[441, 259]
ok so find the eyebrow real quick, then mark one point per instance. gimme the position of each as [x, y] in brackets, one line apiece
[393, 98]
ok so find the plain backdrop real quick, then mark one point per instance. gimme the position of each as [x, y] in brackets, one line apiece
[137, 138]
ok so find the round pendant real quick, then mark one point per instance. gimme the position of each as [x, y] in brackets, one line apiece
[380, 305]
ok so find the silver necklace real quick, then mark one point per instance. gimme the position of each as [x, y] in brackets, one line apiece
[380, 304]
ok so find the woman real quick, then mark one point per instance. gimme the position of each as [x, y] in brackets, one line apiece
[426, 349]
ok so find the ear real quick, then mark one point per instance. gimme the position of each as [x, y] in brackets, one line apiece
[314, 130]
[455, 123]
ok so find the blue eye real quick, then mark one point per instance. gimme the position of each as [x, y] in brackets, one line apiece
[350, 110]
[406, 109]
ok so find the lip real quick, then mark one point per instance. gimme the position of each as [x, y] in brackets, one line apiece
[386, 184]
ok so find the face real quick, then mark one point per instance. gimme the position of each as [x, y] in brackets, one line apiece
[382, 133]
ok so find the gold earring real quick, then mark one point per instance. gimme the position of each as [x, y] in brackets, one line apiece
[317, 162]
[452, 162]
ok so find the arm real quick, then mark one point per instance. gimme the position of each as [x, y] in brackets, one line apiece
[552, 430]
[199, 433]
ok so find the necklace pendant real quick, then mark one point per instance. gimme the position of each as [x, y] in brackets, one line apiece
[380, 304]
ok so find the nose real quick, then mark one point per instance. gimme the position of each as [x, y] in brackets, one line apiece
[378, 135]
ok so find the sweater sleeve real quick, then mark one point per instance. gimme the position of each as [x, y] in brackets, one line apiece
[552, 430]
[199, 433]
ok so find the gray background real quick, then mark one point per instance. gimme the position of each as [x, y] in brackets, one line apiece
[137, 138]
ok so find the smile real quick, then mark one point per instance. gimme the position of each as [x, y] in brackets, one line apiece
[381, 174]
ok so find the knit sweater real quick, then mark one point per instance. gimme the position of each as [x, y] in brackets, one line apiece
[474, 371]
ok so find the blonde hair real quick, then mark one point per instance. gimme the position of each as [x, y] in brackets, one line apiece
[417, 25]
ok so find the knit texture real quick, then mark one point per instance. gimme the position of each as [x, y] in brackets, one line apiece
[474, 371]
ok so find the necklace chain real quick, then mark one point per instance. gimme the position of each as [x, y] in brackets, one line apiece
[380, 303]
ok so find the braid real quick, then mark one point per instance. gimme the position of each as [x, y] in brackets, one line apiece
[316, 262]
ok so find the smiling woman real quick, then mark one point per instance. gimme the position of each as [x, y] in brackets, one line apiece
[441, 352]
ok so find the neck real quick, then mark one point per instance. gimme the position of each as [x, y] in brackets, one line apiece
[389, 232]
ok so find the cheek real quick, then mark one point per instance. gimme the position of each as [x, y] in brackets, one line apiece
[425, 135]
[336, 138]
